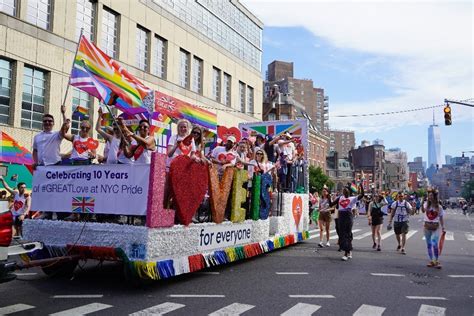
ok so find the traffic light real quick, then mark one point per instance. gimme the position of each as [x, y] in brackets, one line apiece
[447, 115]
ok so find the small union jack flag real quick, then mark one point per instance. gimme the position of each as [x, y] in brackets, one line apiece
[83, 204]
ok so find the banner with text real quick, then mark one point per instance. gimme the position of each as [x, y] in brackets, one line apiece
[221, 236]
[102, 189]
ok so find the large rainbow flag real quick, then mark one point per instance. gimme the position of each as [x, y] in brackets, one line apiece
[104, 78]
[12, 152]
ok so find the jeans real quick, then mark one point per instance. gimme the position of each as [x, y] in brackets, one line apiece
[432, 239]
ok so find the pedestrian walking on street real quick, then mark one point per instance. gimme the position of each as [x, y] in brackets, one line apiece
[400, 211]
[345, 203]
[375, 217]
[324, 220]
[433, 217]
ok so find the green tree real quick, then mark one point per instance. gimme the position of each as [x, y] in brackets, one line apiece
[421, 192]
[317, 179]
[468, 190]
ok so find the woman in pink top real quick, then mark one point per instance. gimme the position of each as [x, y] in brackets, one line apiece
[433, 217]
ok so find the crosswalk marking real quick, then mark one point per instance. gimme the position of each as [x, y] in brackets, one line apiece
[292, 273]
[448, 236]
[353, 232]
[359, 237]
[428, 310]
[196, 295]
[388, 274]
[159, 309]
[461, 276]
[311, 296]
[302, 309]
[83, 310]
[469, 236]
[411, 233]
[426, 298]
[315, 233]
[369, 310]
[14, 309]
[232, 309]
[387, 234]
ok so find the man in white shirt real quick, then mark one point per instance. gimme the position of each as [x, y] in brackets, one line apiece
[46, 144]
[401, 211]
[224, 156]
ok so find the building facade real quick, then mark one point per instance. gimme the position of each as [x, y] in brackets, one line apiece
[341, 141]
[399, 158]
[206, 53]
[434, 146]
[339, 171]
[369, 160]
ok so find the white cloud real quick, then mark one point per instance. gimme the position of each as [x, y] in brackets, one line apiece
[428, 45]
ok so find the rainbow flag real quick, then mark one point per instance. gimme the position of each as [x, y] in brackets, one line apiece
[354, 187]
[12, 152]
[81, 112]
[160, 124]
[106, 119]
[104, 78]
[199, 116]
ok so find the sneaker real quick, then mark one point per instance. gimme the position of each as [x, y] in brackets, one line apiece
[378, 248]
[431, 264]
[321, 245]
[374, 245]
[339, 250]
[349, 255]
[403, 251]
[437, 265]
[328, 244]
[399, 247]
[344, 258]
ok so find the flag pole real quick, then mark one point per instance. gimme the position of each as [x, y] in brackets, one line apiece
[72, 67]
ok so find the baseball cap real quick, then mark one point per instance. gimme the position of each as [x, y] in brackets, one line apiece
[231, 138]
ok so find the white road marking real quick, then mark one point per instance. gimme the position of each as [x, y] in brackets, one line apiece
[428, 310]
[388, 274]
[461, 276]
[387, 234]
[469, 236]
[335, 235]
[195, 295]
[208, 272]
[159, 309]
[359, 237]
[14, 309]
[79, 296]
[291, 273]
[369, 310]
[449, 236]
[83, 310]
[311, 296]
[427, 298]
[411, 233]
[316, 233]
[26, 274]
[232, 309]
[302, 309]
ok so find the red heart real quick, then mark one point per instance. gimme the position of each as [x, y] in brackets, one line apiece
[80, 147]
[183, 172]
[297, 209]
[18, 205]
[230, 157]
[344, 202]
[186, 145]
[224, 132]
[92, 143]
[431, 215]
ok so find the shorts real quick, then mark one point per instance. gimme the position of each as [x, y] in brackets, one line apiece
[17, 222]
[400, 227]
[377, 220]
[325, 217]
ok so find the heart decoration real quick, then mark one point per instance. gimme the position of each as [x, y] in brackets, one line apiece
[183, 172]
[344, 202]
[17, 205]
[92, 144]
[297, 208]
[224, 132]
[230, 157]
[431, 214]
[80, 147]
[186, 145]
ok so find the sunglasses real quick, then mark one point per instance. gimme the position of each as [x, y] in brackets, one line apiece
[85, 128]
[195, 133]
[259, 154]
[144, 126]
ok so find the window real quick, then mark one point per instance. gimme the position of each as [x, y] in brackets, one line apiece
[85, 16]
[250, 100]
[38, 13]
[142, 48]
[159, 64]
[227, 92]
[8, 7]
[184, 69]
[109, 32]
[216, 84]
[197, 75]
[242, 96]
[33, 98]
[82, 99]
[284, 117]
[5, 89]
[271, 116]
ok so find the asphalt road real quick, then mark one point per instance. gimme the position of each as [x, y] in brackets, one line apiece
[299, 280]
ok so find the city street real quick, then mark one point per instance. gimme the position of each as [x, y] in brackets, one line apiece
[297, 280]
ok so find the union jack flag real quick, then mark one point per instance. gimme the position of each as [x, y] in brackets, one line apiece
[83, 204]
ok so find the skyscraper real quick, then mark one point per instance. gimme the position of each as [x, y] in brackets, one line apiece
[434, 145]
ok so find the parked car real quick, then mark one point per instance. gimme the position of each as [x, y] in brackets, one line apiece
[7, 249]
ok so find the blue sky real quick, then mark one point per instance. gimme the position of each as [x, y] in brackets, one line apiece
[367, 61]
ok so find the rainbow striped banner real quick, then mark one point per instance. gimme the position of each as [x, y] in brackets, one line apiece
[104, 78]
[81, 112]
[12, 152]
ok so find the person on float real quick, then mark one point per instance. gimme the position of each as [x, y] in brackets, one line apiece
[83, 146]
[144, 142]
[21, 205]
[324, 220]
[287, 152]
[433, 217]
[127, 144]
[375, 218]
[198, 136]
[345, 203]
[224, 156]
[181, 143]
[400, 211]
[112, 141]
